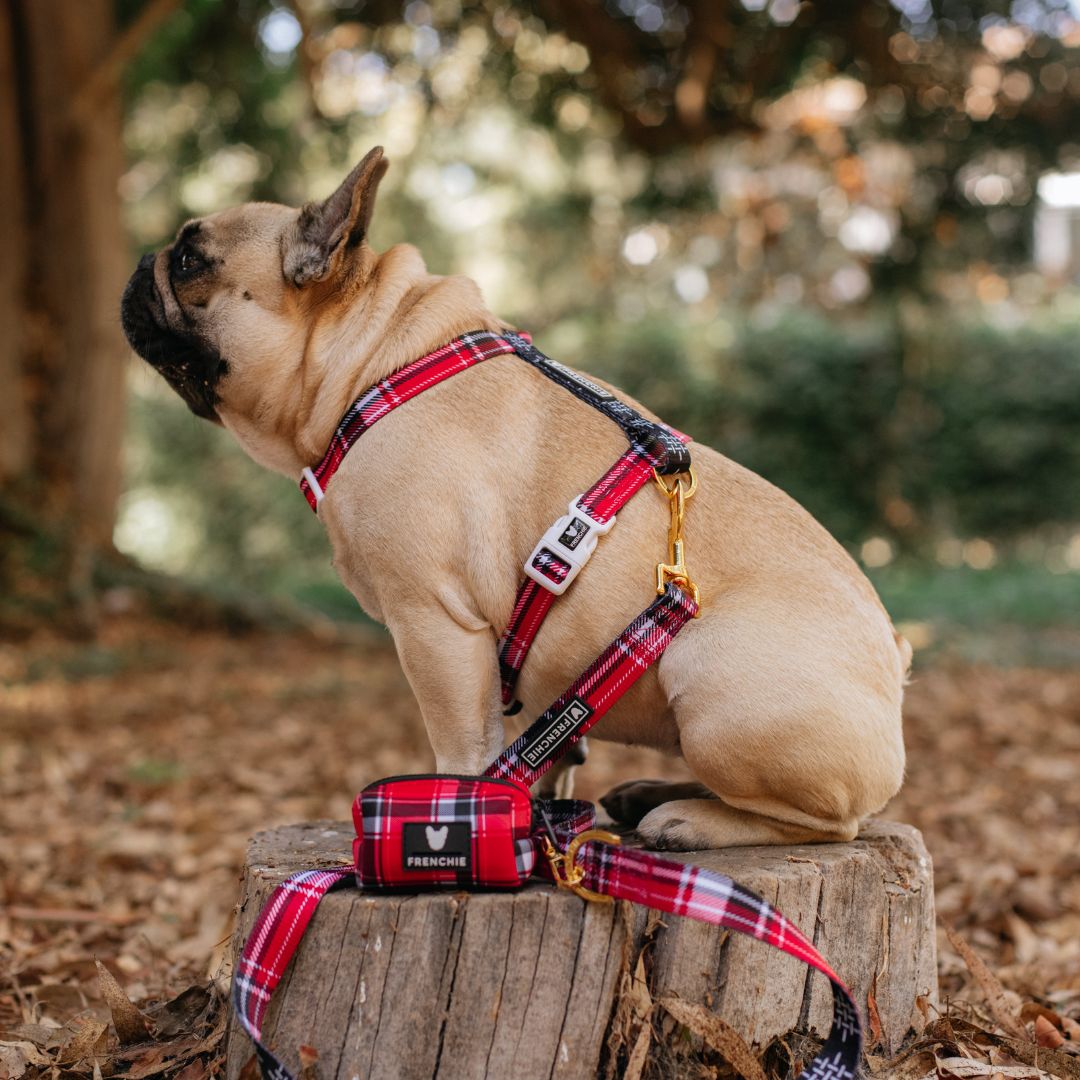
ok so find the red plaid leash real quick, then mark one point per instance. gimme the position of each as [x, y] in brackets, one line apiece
[621, 873]
[596, 690]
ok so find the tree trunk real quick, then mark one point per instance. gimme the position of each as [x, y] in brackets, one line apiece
[62, 354]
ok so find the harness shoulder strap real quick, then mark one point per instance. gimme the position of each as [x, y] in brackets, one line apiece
[658, 441]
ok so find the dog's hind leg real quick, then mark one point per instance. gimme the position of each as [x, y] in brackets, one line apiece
[797, 741]
[698, 824]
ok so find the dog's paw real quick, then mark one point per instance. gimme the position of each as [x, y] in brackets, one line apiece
[629, 802]
[667, 828]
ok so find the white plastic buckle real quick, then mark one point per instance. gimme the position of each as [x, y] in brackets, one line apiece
[573, 539]
[316, 488]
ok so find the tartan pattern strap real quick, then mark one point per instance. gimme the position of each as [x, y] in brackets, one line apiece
[533, 602]
[596, 690]
[696, 893]
[622, 873]
[395, 390]
[269, 948]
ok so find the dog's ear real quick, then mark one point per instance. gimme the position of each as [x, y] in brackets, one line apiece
[315, 247]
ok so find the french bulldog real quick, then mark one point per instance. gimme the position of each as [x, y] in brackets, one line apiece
[783, 698]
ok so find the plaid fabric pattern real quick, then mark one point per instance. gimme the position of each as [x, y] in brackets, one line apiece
[496, 814]
[269, 948]
[696, 893]
[395, 390]
[596, 690]
[499, 817]
[622, 873]
[652, 446]
[504, 834]
[602, 501]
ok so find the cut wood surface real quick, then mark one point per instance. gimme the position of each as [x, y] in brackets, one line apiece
[539, 983]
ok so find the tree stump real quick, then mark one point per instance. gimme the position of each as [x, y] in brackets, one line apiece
[539, 983]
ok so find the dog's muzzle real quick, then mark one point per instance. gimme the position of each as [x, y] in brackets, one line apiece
[190, 366]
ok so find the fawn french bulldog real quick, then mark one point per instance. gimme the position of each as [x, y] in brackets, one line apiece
[783, 698]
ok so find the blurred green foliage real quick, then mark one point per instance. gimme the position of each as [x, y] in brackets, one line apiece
[824, 269]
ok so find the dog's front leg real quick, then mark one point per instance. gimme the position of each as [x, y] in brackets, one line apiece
[454, 674]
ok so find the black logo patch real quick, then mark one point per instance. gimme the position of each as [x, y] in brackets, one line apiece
[573, 715]
[574, 533]
[431, 846]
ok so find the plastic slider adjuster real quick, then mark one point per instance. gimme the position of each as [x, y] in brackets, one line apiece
[571, 539]
[316, 487]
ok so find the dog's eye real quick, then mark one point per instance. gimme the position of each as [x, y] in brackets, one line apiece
[188, 262]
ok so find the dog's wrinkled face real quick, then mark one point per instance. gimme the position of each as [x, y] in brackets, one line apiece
[198, 309]
[221, 312]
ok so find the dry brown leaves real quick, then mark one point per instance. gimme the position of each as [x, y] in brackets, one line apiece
[133, 770]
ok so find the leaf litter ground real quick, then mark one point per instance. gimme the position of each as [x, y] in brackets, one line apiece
[134, 769]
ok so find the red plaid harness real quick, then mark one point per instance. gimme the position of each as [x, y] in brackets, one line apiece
[438, 831]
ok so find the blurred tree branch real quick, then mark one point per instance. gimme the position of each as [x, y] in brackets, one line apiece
[105, 77]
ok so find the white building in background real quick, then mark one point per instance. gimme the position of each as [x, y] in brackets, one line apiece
[1057, 226]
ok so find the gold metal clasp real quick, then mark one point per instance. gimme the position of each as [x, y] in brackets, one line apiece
[677, 494]
[564, 867]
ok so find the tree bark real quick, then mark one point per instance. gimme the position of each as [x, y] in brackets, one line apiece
[62, 353]
[15, 421]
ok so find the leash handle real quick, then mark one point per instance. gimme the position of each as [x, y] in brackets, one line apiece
[270, 946]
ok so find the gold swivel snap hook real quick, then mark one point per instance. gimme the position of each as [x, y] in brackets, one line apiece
[564, 867]
[678, 493]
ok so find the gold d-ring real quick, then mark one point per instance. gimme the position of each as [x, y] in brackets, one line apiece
[677, 479]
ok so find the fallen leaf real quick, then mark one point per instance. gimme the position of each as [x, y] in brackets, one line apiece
[874, 1016]
[17, 1057]
[639, 994]
[309, 1061]
[723, 1038]
[182, 1014]
[194, 1070]
[1031, 1009]
[988, 982]
[964, 1067]
[636, 1062]
[85, 1037]
[131, 1025]
[1046, 1034]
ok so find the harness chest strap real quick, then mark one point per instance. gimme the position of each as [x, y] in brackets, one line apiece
[567, 545]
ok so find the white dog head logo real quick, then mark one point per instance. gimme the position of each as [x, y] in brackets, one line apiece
[436, 838]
